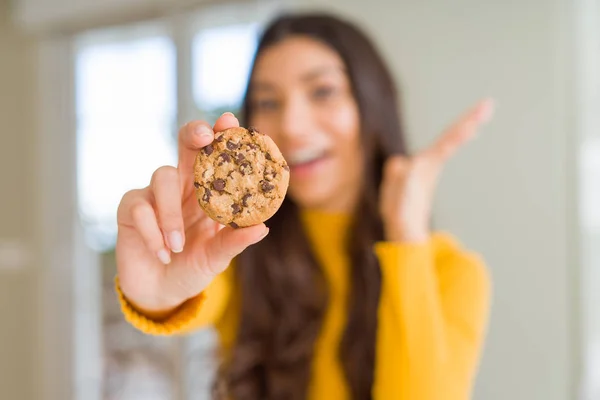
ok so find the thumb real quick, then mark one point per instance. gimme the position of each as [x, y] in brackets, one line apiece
[395, 165]
[394, 169]
[229, 242]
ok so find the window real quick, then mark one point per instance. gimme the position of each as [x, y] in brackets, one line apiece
[126, 110]
[220, 77]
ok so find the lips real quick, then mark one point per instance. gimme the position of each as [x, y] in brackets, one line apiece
[305, 156]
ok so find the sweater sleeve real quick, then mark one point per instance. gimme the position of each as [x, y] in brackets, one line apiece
[200, 311]
[432, 319]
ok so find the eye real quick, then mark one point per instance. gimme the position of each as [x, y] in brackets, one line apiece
[266, 104]
[323, 92]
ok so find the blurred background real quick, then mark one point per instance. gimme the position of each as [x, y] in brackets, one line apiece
[92, 93]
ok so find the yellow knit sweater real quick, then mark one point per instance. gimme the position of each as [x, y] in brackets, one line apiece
[432, 315]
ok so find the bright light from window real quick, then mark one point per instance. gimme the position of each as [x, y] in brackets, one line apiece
[221, 62]
[126, 108]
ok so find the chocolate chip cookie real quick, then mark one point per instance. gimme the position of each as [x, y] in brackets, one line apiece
[241, 178]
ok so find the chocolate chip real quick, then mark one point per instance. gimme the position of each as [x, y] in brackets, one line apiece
[219, 138]
[268, 156]
[207, 194]
[234, 225]
[208, 149]
[231, 145]
[245, 168]
[252, 146]
[218, 184]
[196, 185]
[224, 158]
[239, 157]
[252, 130]
[245, 199]
[266, 186]
[236, 208]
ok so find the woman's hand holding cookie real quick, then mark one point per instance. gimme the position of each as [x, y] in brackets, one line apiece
[168, 250]
[409, 183]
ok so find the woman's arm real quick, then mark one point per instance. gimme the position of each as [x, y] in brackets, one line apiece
[432, 318]
[203, 310]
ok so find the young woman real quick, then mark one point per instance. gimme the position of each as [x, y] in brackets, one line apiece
[349, 296]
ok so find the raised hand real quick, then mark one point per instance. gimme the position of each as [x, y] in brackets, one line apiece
[409, 183]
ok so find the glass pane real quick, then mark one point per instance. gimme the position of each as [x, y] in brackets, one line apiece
[221, 61]
[126, 108]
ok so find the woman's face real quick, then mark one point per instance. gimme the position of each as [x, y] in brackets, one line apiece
[302, 98]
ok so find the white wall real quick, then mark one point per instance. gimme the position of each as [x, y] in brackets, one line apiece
[48, 15]
[43, 14]
[507, 194]
[18, 320]
[588, 28]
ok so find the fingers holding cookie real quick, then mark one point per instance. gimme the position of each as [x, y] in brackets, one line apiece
[226, 121]
[229, 242]
[192, 137]
[136, 212]
[165, 186]
[146, 225]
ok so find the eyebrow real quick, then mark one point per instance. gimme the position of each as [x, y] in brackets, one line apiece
[317, 72]
[307, 77]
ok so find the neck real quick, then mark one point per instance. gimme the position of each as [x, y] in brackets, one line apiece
[344, 203]
[329, 227]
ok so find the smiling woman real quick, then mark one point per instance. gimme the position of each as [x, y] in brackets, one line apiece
[349, 296]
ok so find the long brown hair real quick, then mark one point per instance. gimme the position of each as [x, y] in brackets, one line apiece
[283, 292]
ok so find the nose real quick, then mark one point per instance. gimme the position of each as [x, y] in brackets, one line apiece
[296, 120]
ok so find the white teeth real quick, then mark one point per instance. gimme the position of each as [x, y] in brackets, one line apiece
[304, 156]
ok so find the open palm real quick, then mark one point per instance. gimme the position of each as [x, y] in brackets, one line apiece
[409, 183]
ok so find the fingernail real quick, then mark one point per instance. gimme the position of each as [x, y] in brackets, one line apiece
[176, 242]
[203, 130]
[164, 256]
[488, 111]
[265, 233]
[228, 113]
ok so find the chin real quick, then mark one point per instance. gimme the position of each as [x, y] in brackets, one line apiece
[310, 197]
